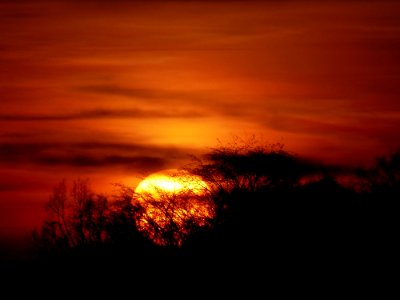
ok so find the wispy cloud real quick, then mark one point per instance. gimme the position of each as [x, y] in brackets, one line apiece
[130, 162]
[210, 102]
[148, 94]
[110, 89]
[91, 154]
[105, 114]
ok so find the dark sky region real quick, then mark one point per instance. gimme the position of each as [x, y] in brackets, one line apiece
[113, 90]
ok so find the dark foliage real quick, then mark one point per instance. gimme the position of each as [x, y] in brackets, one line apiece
[274, 212]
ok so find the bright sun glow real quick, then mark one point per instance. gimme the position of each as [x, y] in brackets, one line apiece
[171, 182]
[172, 200]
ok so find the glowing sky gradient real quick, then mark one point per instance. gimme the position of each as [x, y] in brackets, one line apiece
[113, 89]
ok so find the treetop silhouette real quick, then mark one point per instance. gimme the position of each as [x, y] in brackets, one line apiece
[262, 209]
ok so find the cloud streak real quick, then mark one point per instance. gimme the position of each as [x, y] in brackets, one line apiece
[105, 114]
[123, 91]
[91, 154]
[148, 94]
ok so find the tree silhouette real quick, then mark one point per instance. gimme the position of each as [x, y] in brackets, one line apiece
[380, 188]
[77, 218]
[260, 205]
[170, 216]
[256, 191]
[384, 176]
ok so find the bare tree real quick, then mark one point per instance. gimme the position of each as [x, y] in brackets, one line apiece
[168, 218]
[384, 176]
[75, 218]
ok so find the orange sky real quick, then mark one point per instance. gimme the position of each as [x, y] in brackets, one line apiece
[113, 89]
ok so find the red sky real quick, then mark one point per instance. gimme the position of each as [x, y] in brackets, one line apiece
[113, 89]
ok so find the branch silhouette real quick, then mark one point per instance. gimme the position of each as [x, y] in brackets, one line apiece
[258, 205]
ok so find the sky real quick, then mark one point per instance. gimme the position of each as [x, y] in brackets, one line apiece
[115, 90]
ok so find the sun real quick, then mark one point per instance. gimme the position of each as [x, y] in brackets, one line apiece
[171, 181]
[174, 203]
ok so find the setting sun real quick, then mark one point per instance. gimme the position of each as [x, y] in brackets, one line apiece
[212, 134]
[171, 182]
[174, 201]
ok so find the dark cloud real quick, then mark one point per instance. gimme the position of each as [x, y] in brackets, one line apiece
[121, 91]
[146, 94]
[208, 101]
[91, 154]
[104, 114]
[381, 128]
[131, 162]
[18, 135]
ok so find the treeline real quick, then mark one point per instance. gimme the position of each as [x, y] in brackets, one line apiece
[270, 207]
